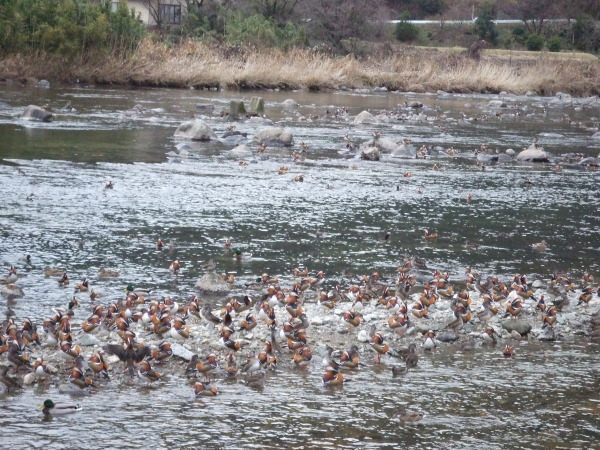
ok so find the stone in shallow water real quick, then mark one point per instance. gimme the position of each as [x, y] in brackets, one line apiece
[547, 335]
[182, 352]
[212, 283]
[520, 326]
[275, 136]
[534, 153]
[196, 130]
[257, 105]
[88, 340]
[290, 104]
[364, 117]
[371, 154]
[36, 113]
[447, 336]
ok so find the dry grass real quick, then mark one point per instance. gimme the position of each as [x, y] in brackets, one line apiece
[407, 68]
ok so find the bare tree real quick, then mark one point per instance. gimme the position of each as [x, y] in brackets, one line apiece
[533, 13]
[279, 10]
[335, 20]
[571, 9]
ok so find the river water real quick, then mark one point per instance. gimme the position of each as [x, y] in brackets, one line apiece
[56, 209]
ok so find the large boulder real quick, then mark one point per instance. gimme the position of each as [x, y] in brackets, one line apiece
[534, 153]
[364, 117]
[276, 136]
[520, 326]
[196, 130]
[36, 113]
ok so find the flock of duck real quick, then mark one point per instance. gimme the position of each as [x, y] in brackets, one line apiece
[141, 335]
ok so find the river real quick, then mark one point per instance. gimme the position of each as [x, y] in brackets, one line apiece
[56, 209]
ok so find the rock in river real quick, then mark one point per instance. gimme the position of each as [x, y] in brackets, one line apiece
[364, 117]
[196, 130]
[447, 336]
[36, 113]
[534, 153]
[212, 283]
[371, 154]
[520, 326]
[275, 136]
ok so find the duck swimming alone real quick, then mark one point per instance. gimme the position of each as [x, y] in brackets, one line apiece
[55, 409]
[408, 415]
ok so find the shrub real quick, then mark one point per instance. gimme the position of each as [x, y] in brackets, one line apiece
[519, 34]
[554, 44]
[68, 27]
[356, 47]
[486, 28]
[535, 43]
[406, 31]
[586, 34]
[262, 32]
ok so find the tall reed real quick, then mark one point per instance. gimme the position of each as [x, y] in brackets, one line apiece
[408, 68]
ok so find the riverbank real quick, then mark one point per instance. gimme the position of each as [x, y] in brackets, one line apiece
[405, 68]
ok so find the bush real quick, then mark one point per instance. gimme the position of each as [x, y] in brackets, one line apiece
[586, 34]
[406, 31]
[486, 28]
[554, 44]
[262, 32]
[535, 43]
[519, 34]
[68, 27]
